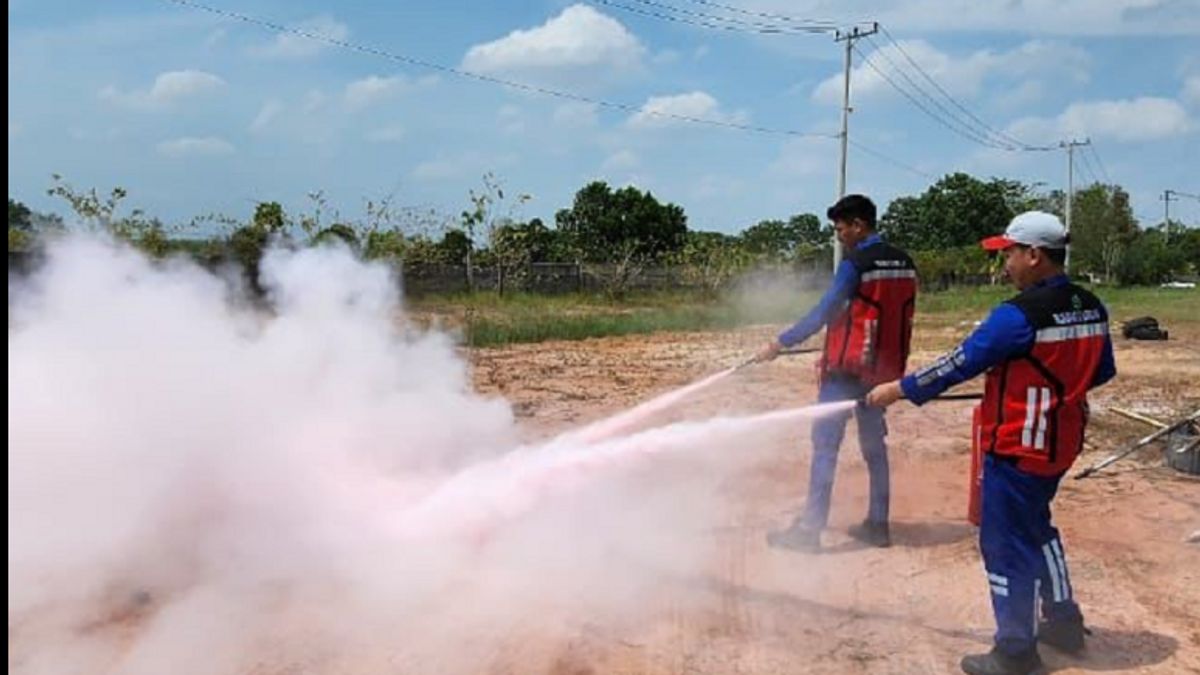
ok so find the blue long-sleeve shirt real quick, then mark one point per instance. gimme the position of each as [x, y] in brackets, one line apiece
[845, 284]
[1004, 334]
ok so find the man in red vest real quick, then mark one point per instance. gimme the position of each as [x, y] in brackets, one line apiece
[868, 314]
[1042, 350]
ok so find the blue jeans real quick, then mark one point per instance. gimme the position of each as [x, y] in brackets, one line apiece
[827, 434]
[1022, 553]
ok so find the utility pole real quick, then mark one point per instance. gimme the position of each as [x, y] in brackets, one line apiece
[1167, 212]
[1070, 146]
[848, 37]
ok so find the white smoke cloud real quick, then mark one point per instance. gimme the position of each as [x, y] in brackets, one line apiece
[197, 486]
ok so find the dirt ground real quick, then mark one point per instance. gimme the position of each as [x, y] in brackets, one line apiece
[913, 608]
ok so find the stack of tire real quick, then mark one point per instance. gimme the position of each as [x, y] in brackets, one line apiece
[1143, 328]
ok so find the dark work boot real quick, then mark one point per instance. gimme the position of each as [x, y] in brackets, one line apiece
[873, 533]
[797, 536]
[997, 662]
[1064, 635]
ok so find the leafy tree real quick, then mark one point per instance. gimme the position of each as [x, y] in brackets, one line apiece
[19, 216]
[603, 224]
[957, 210]
[1150, 259]
[1102, 228]
[711, 259]
[802, 236]
[384, 244]
[96, 212]
[623, 229]
[20, 226]
[454, 247]
[514, 246]
[269, 217]
[246, 246]
[338, 232]
[485, 215]
[1187, 241]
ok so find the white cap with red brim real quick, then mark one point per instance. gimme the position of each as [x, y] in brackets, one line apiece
[1032, 228]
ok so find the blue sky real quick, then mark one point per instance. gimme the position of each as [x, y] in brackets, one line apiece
[198, 113]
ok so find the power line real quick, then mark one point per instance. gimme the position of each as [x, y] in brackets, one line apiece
[763, 15]
[565, 95]
[954, 101]
[512, 84]
[968, 133]
[1104, 170]
[975, 129]
[680, 15]
[979, 136]
[862, 147]
[1086, 163]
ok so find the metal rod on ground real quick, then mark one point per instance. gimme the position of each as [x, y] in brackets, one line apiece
[1138, 417]
[1137, 445]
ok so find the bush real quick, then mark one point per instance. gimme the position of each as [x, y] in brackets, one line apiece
[944, 268]
[1150, 259]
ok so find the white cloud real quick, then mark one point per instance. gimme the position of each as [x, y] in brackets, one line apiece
[576, 115]
[179, 84]
[1140, 119]
[168, 88]
[579, 37]
[1191, 91]
[292, 46]
[436, 169]
[393, 133]
[269, 111]
[802, 157]
[660, 111]
[958, 75]
[622, 160]
[94, 135]
[470, 164]
[666, 57]
[215, 38]
[369, 90]
[1024, 94]
[313, 100]
[511, 119]
[189, 147]
[713, 186]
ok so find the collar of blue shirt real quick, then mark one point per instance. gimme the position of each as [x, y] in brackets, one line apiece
[871, 240]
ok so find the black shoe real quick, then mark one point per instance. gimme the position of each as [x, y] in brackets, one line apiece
[797, 536]
[997, 662]
[1065, 636]
[873, 533]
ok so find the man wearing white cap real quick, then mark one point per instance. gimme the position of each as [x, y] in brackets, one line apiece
[1042, 350]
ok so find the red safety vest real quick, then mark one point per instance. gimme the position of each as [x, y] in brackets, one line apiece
[1035, 405]
[870, 339]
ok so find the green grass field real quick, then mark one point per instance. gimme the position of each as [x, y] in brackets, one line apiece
[487, 319]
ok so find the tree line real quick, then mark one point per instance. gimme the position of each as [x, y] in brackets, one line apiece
[626, 229]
